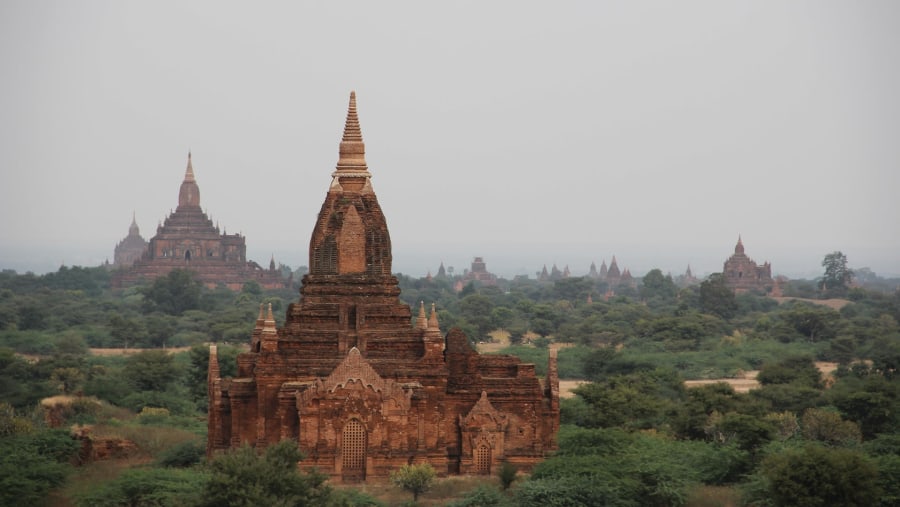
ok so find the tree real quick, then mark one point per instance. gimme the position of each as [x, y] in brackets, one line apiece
[145, 487]
[507, 474]
[477, 310]
[67, 380]
[800, 370]
[655, 284]
[244, 478]
[816, 322]
[126, 331]
[716, 297]
[173, 293]
[827, 426]
[814, 476]
[414, 478]
[837, 275]
[31, 464]
[151, 370]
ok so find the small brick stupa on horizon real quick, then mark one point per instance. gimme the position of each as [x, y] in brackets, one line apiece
[360, 385]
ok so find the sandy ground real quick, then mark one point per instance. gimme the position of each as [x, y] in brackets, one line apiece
[835, 304]
[566, 386]
[742, 384]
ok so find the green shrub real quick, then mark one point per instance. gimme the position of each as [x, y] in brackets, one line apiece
[483, 496]
[182, 455]
[146, 487]
[507, 474]
[814, 476]
[350, 497]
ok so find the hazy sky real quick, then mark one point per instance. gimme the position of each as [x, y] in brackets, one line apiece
[528, 133]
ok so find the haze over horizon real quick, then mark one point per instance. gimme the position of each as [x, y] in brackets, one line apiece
[525, 133]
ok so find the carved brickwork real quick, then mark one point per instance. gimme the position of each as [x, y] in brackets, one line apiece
[360, 385]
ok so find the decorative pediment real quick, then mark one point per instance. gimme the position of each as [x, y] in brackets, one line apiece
[354, 369]
[484, 417]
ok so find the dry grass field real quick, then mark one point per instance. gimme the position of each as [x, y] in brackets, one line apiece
[834, 304]
[125, 352]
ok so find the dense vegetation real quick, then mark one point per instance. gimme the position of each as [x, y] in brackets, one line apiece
[634, 435]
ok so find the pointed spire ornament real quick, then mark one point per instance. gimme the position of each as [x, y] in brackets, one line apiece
[352, 172]
[189, 172]
[269, 323]
[261, 319]
[189, 193]
[433, 320]
[421, 320]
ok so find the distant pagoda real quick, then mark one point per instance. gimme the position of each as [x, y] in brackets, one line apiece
[743, 274]
[131, 248]
[189, 240]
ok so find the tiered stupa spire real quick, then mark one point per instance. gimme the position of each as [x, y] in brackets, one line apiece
[352, 172]
[739, 248]
[422, 320]
[189, 193]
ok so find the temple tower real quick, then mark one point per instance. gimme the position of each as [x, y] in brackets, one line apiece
[360, 385]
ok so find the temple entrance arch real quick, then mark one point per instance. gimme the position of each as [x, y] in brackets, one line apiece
[353, 451]
[187, 255]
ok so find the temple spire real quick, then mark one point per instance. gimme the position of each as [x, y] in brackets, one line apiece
[352, 171]
[133, 228]
[422, 320]
[433, 320]
[189, 172]
[739, 248]
[189, 194]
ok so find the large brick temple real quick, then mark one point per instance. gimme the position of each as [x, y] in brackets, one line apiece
[361, 385]
[743, 274]
[189, 240]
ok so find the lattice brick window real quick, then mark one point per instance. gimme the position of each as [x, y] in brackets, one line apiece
[483, 460]
[353, 446]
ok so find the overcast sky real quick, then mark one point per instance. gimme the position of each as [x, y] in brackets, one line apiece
[529, 133]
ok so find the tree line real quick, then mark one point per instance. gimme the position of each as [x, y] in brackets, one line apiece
[633, 435]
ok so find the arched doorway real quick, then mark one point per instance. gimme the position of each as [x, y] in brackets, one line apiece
[187, 255]
[482, 460]
[353, 451]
